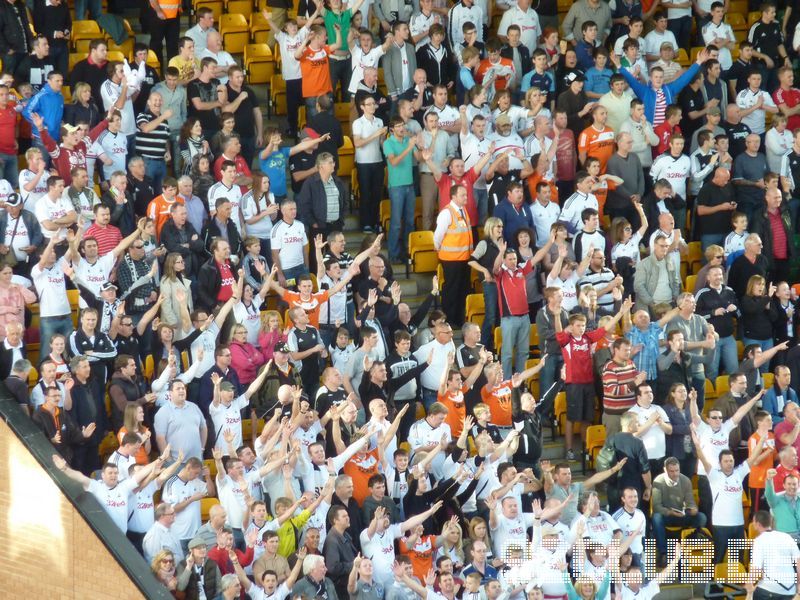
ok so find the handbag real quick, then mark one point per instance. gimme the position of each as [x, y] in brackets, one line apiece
[9, 259]
[605, 458]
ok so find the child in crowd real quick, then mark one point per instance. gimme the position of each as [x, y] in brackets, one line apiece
[734, 242]
[598, 78]
[342, 349]
[632, 60]
[585, 48]
[668, 128]
[483, 416]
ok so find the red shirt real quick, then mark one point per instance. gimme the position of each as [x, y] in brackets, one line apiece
[227, 283]
[566, 159]
[468, 180]
[781, 475]
[578, 354]
[664, 133]
[790, 98]
[512, 297]
[8, 123]
[107, 237]
[780, 246]
[242, 170]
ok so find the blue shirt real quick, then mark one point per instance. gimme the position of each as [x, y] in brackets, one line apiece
[585, 52]
[545, 82]
[274, 166]
[513, 219]
[646, 359]
[489, 572]
[598, 81]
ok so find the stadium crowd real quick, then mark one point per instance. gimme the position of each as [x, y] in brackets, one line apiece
[263, 413]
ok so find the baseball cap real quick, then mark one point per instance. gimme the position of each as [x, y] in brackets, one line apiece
[13, 199]
[69, 128]
[503, 120]
[281, 347]
[571, 77]
[307, 132]
[196, 542]
[107, 286]
[714, 110]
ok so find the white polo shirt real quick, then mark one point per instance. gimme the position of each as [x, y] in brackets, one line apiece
[47, 210]
[776, 553]
[364, 128]
[187, 521]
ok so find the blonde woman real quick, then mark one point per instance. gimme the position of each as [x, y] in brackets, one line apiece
[82, 108]
[271, 333]
[163, 567]
[482, 260]
[479, 532]
[453, 546]
[177, 292]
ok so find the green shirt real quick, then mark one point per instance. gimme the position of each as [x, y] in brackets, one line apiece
[343, 20]
[785, 512]
[402, 173]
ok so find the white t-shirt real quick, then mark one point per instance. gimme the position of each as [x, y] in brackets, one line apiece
[569, 290]
[574, 206]
[361, 61]
[115, 147]
[646, 592]
[711, 31]
[757, 119]
[228, 417]
[380, 548]
[712, 443]
[289, 240]
[630, 524]
[776, 554]
[31, 198]
[232, 498]
[50, 284]
[364, 128]
[599, 528]
[261, 229]
[143, 515]
[543, 219]
[676, 13]
[123, 463]
[510, 532]
[654, 39]
[110, 93]
[257, 593]
[114, 500]
[654, 439]
[223, 59]
[21, 239]
[46, 210]
[188, 521]
[472, 150]
[419, 23]
[234, 194]
[250, 317]
[727, 493]
[629, 249]
[95, 275]
[290, 67]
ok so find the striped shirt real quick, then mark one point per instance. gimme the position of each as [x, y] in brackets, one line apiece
[618, 394]
[151, 145]
[661, 108]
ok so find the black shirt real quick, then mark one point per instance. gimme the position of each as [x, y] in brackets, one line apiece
[498, 187]
[628, 446]
[713, 195]
[302, 161]
[245, 123]
[766, 39]
[206, 92]
[690, 101]
[143, 192]
[794, 168]
[739, 72]
[737, 134]
[150, 79]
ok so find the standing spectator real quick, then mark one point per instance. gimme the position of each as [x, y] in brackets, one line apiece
[400, 62]
[656, 279]
[715, 203]
[224, 59]
[180, 424]
[784, 506]
[400, 150]
[654, 426]
[754, 103]
[453, 242]
[619, 378]
[289, 245]
[204, 25]
[767, 39]
[780, 394]
[630, 453]
[92, 70]
[55, 313]
[164, 26]
[718, 304]
[249, 120]
[313, 56]
[368, 131]
[575, 344]
[173, 98]
[321, 201]
[774, 225]
[749, 170]
[45, 111]
[586, 10]
[645, 337]
[676, 406]
[16, 39]
[116, 93]
[59, 427]
[35, 67]
[207, 96]
[152, 139]
[751, 262]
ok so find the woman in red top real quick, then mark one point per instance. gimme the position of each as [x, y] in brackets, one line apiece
[246, 359]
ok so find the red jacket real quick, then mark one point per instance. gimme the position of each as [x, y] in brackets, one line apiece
[246, 359]
[65, 159]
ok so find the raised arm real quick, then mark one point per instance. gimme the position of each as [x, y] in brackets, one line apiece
[62, 465]
[699, 450]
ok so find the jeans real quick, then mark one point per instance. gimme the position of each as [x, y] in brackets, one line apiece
[550, 373]
[699, 386]
[727, 355]
[516, 336]
[490, 314]
[721, 535]
[11, 61]
[340, 75]
[291, 274]
[765, 345]
[59, 53]
[682, 28]
[50, 326]
[428, 398]
[708, 239]
[248, 149]
[370, 184]
[9, 169]
[482, 202]
[402, 200]
[661, 522]
[156, 170]
[94, 6]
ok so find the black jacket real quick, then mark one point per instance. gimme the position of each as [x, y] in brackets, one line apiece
[71, 434]
[122, 215]
[326, 122]
[91, 74]
[762, 227]
[47, 19]
[442, 72]
[75, 111]
[709, 300]
[15, 32]
[212, 230]
[208, 283]
[172, 237]
[312, 202]
[524, 57]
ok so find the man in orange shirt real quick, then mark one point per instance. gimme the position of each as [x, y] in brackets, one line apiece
[364, 464]
[496, 394]
[764, 462]
[494, 65]
[598, 139]
[159, 207]
[451, 391]
[313, 57]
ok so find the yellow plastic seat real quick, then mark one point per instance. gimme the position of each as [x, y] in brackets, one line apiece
[115, 55]
[82, 34]
[125, 47]
[347, 157]
[475, 308]
[682, 58]
[423, 255]
[533, 338]
[75, 58]
[710, 392]
[385, 214]
[239, 7]
[722, 385]
[149, 367]
[259, 28]
[768, 380]
[736, 21]
[277, 91]
[595, 438]
[688, 284]
[205, 507]
[560, 410]
[752, 17]
[235, 32]
[152, 61]
[259, 63]
[217, 7]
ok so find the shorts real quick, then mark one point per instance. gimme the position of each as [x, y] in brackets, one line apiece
[580, 402]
